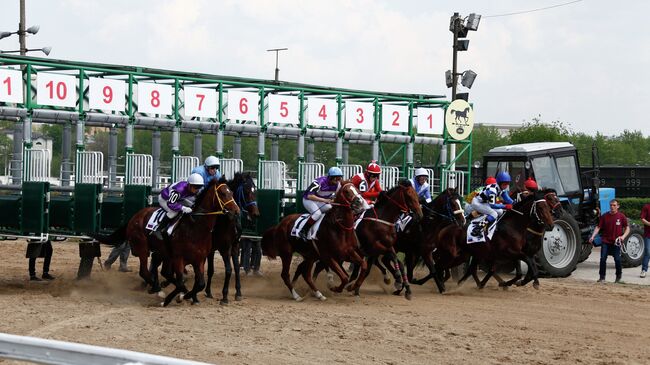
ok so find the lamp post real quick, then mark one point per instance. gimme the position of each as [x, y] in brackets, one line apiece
[45, 50]
[277, 51]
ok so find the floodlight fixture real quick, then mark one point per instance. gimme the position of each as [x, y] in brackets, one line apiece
[33, 29]
[449, 78]
[46, 50]
[462, 44]
[462, 96]
[472, 21]
[468, 78]
[5, 34]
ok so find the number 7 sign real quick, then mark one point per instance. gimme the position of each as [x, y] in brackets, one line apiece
[200, 102]
[11, 86]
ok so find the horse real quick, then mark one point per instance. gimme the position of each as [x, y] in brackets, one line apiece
[335, 242]
[377, 234]
[460, 115]
[190, 243]
[227, 232]
[508, 241]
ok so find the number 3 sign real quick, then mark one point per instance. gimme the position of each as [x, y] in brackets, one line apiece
[359, 115]
[154, 98]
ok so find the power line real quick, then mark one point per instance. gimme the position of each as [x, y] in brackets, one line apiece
[533, 10]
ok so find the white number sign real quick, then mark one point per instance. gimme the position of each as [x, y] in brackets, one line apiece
[154, 98]
[11, 86]
[284, 109]
[359, 115]
[430, 120]
[322, 112]
[243, 106]
[56, 89]
[106, 94]
[394, 118]
[200, 102]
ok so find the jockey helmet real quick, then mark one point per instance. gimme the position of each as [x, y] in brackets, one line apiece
[373, 168]
[195, 179]
[334, 171]
[502, 177]
[421, 172]
[490, 180]
[211, 161]
[530, 184]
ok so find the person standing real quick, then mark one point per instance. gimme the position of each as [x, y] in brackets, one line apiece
[613, 229]
[645, 219]
[37, 249]
[122, 251]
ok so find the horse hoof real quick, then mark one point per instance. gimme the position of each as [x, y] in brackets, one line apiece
[349, 287]
[386, 279]
[161, 294]
[238, 298]
[536, 286]
[223, 302]
[320, 296]
[505, 288]
[299, 299]
[408, 296]
[398, 285]
[195, 301]
[209, 295]
[397, 292]
[162, 304]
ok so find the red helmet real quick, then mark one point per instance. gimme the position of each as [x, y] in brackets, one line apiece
[373, 168]
[530, 184]
[490, 180]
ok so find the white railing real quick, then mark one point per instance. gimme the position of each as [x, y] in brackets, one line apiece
[389, 177]
[229, 166]
[308, 172]
[453, 179]
[37, 165]
[431, 178]
[42, 351]
[138, 169]
[350, 170]
[182, 167]
[272, 175]
[89, 167]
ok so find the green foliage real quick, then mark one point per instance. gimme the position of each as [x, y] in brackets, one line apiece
[485, 138]
[631, 207]
[537, 131]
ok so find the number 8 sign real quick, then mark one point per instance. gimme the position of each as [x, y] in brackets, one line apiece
[154, 98]
[106, 94]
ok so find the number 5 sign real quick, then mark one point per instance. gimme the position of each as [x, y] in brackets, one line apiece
[394, 118]
[243, 106]
[154, 98]
[56, 90]
[284, 109]
[106, 94]
[11, 86]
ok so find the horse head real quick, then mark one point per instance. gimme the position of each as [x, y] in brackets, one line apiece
[218, 197]
[403, 197]
[348, 196]
[245, 195]
[553, 201]
[536, 207]
[453, 206]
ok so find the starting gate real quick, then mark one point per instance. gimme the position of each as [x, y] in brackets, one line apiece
[138, 169]
[229, 166]
[37, 165]
[350, 170]
[308, 172]
[453, 179]
[272, 175]
[89, 167]
[182, 167]
[389, 177]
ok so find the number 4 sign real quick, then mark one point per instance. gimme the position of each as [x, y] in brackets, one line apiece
[11, 86]
[394, 118]
[154, 98]
[322, 112]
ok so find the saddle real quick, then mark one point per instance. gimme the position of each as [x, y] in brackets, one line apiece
[479, 230]
[157, 217]
[301, 221]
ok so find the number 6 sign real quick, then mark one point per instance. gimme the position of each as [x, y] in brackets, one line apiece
[56, 90]
[243, 106]
[11, 86]
[106, 94]
[154, 98]
[394, 118]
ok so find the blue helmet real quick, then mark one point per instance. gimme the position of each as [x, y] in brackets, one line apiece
[334, 171]
[502, 177]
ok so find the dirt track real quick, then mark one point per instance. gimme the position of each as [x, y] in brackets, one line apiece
[565, 322]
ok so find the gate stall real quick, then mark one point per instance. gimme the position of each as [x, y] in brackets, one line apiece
[120, 97]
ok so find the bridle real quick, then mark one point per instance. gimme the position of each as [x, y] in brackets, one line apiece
[347, 204]
[240, 197]
[449, 214]
[222, 204]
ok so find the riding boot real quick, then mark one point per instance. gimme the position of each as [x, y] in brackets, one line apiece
[305, 229]
[162, 227]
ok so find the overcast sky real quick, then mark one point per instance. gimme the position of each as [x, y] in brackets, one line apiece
[583, 63]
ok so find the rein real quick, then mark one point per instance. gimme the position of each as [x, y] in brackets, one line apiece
[222, 205]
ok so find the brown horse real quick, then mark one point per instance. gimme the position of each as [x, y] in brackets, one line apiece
[189, 244]
[508, 241]
[227, 232]
[335, 241]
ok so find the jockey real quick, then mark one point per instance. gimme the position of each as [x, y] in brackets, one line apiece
[486, 201]
[421, 185]
[318, 196]
[468, 206]
[209, 170]
[171, 198]
[368, 182]
[530, 186]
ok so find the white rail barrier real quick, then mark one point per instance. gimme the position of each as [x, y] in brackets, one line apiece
[37, 165]
[308, 172]
[389, 177]
[182, 167]
[350, 170]
[229, 166]
[272, 175]
[138, 169]
[454, 179]
[89, 167]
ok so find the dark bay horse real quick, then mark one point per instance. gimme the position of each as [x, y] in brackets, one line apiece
[189, 244]
[227, 232]
[335, 242]
[508, 241]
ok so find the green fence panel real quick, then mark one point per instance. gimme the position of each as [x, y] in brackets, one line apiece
[61, 213]
[136, 197]
[10, 213]
[112, 213]
[87, 207]
[35, 207]
[269, 203]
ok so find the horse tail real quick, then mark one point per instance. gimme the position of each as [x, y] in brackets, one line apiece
[268, 243]
[114, 239]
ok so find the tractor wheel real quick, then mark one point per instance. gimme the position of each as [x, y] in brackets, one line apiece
[633, 248]
[561, 248]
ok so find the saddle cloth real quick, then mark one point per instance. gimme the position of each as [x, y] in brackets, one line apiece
[402, 221]
[300, 222]
[156, 218]
[482, 235]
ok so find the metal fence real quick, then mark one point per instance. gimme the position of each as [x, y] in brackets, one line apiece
[453, 179]
[138, 169]
[182, 167]
[350, 170]
[308, 172]
[89, 167]
[37, 165]
[389, 177]
[229, 166]
[272, 175]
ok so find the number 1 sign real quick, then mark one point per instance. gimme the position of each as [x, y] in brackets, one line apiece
[430, 121]
[106, 94]
[11, 86]
[200, 102]
[154, 98]
[56, 90]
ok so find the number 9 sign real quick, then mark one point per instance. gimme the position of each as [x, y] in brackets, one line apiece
[154, 98]
[243, 106]
[106, 94]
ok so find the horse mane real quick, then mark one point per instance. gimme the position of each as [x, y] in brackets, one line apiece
[204, 191]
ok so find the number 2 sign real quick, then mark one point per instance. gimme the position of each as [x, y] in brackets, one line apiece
[56, 90]
[106, 94]
[154, 98]
[394, 118]
[11, 86]
[243, 105]
[200, 102]
[322, 112]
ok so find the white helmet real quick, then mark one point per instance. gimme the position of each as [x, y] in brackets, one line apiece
[421, 172]
[195, 179]
[211, 161]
